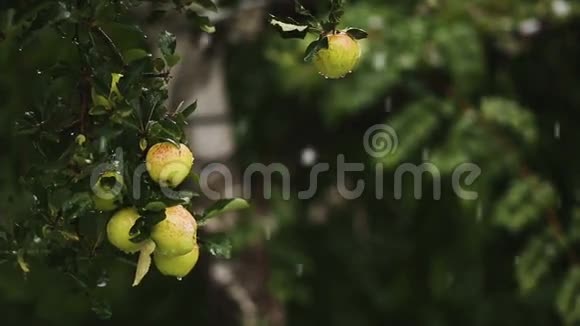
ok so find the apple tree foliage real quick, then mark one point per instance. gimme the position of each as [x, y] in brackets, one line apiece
[490, 82]
[84, 90]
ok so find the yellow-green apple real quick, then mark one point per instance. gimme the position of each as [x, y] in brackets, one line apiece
[340, 58]
[176, 234]
[119, 227]
[177, 266]
[167, 164]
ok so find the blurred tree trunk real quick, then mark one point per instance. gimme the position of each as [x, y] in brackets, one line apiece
[201, 76]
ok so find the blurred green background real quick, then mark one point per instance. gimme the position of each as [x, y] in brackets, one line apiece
[492, 82]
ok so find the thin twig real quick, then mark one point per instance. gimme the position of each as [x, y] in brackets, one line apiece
[164, 74]
[83, 85]
[110, 44]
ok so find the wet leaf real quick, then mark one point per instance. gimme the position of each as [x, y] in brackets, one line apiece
[223, 206]
[357, 33]
[288, 27]
[144, 262]
[220, 248]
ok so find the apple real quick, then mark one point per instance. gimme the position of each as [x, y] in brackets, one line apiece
[107, 191]
[105, 205]
[176, 234]
[167, 164]
[340, 58]
[177, 266]
[118, 229]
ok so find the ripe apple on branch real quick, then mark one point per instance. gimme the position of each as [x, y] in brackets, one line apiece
[335, 53]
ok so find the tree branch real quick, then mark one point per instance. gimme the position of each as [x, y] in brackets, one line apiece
[110, 44]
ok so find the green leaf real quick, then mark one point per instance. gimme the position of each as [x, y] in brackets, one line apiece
[101, 308]
[207, 4]
[152, 218]
[167, 44]
[336, 12]
[172, 141]
[202, 22]
[314, 47]
[288, 27]
[525, 201]
[535, 262]
[219, 248]
[144, 262]
[223, 206]
[77, 205]
[100, 100]
[357, 33]
[172, 60]
[98, 110]
[164, 129]
[155, 206]
[114, 93]
[186, 111]
[134, 55]
[567, 301]
[137, 227]
[183, 197]
[301, 10]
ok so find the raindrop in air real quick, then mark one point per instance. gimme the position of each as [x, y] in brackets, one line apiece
[299, 269]
[425, 154]
[376, 22]
[102, 283]
[180, 278]
[380, 61]
[38, 72]
[37, 239]
[530, 26]
[268, 232]
[561, 8]
[388, 104]
[204, 40]
[20, 50]
[479, 213]
[557, 130]
[308, 156]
